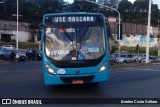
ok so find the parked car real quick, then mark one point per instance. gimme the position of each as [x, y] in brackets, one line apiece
[5, 54]
[8, 47]
[1, 49]
[112, 60]
[19, 55]
[115, 55]
[34, 54]
[125, 58]
[138, 58]
[151, 59]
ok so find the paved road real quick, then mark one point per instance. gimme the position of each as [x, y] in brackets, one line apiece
[25, 80]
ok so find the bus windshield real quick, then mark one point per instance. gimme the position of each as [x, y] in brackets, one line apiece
[74, 43]
[79, 41]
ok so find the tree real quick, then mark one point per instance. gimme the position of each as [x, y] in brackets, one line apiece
[140, 8]
[154, 14]
[126, 9]
[84, 6]
[110, 3]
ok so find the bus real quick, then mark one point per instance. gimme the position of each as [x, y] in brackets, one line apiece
[75, 48]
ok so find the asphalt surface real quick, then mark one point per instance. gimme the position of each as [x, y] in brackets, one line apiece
[25, 80]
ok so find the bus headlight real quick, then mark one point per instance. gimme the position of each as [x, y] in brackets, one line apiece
[103, 67]
[50, 70]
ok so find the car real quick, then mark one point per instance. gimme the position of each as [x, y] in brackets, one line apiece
[115, 55]
[138, 58]
[112, 60]
[1, 49]
[8, 47]
[19, 55]
[125, 58]
[5, 54]
[34, 54]
[151, 59]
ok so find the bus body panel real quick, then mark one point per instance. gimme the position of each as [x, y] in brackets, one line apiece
[50, 79]
[88, 74]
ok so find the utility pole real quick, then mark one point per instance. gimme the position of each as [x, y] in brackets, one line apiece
[148, 32]
[17, 25]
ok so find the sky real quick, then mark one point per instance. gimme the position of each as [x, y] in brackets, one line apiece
[154, 1]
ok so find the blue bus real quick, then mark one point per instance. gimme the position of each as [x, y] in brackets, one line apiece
[75, 48]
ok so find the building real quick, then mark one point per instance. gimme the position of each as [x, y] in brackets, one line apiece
[8, 30]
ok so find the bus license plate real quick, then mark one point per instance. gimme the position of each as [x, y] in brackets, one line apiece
[77, 82]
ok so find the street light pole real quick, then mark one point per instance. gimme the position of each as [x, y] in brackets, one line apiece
[148, 32]
[118, 22]
[17, 25]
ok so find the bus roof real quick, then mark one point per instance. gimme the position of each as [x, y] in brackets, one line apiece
[74, 13]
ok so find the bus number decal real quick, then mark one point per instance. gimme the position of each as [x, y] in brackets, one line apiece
[61, 71]
[60, 52]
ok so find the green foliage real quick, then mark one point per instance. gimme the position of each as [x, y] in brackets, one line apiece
[126, 9]
[32, 11]
[132, 50]
[113, 50]
[110, 3]
[128, 35]
[138, 11]
[84, 6]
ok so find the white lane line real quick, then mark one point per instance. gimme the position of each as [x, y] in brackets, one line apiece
[2, 71]
[142, 69]
[13, 71]
[133, 69]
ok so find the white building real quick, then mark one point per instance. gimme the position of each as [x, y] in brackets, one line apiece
[8, 31]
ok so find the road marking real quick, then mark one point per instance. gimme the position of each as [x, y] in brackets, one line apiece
[13, 71]
[142, 69]
[2, 71]
[133, 69]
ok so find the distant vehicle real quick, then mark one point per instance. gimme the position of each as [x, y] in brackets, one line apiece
[151, 59]
[112, 60]
[125, 58]
[5, 54]
[138, 58]
[1, 49]
[115, 55]
[8, 47]
[19, 55]
[34, 54]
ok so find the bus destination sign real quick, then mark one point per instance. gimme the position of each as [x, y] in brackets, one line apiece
[73, 19]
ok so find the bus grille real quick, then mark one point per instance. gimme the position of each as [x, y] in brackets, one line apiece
[84, 78]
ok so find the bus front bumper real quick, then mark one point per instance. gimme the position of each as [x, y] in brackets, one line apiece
[50, 79]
